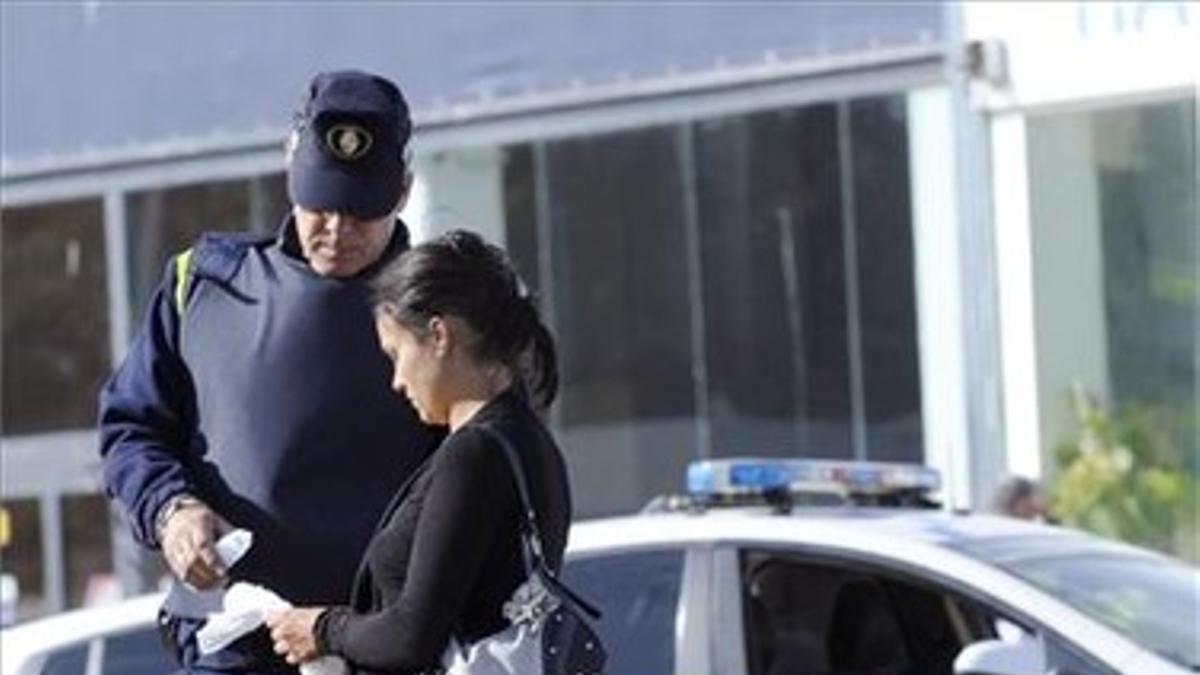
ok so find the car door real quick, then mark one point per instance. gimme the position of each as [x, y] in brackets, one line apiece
[817, 613]
[135, 652]
[639, 593]
[69, 659]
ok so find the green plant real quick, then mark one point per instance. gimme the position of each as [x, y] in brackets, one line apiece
[1131, 474]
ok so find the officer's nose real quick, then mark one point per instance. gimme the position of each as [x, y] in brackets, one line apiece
[340, 225]
[335, 223]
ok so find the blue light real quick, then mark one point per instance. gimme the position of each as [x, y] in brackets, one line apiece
[760, 475]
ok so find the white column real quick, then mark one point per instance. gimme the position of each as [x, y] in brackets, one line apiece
[54, 562]
[117, 262]
[1014, 262]
[936, 250]
[458, 189]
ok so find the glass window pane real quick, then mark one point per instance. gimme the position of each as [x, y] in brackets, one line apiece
[1146, 167]
[520, 213]
[1113, 191]
[164, 222]
[22, 557]
[886, 286]
[774, 283]
[88, 550]
[621, 314]
[638, 594]
[1125, 179]
[620, 276]
[138, 652]
[55, 318]
[811, 616]
[67, 661]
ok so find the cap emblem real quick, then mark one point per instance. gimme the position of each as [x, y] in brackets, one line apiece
[348, 142]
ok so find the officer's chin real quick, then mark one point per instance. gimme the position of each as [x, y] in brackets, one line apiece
[338, 266]
[325, 267]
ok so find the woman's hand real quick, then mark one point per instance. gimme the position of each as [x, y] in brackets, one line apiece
[292, 633]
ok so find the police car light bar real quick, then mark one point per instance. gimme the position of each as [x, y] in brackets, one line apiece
[742, 476]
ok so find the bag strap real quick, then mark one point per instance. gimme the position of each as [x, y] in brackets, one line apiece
[531, 538]
[531, 541]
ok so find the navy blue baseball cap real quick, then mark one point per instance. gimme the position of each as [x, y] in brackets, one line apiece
[348, 145]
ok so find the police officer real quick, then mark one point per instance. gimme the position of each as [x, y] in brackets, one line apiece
[255, 395]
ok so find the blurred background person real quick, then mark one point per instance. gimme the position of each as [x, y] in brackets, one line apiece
[1019, 497]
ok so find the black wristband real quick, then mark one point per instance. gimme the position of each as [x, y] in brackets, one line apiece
[327, 629]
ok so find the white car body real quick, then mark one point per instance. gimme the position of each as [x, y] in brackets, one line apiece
[26, 648]
[709, 618]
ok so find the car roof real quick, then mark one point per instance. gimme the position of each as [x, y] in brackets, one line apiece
[844, 525]
[19, 642]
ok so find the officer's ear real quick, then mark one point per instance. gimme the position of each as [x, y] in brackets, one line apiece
[405, 190]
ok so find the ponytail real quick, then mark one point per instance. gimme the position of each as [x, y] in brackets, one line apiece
[537, 364]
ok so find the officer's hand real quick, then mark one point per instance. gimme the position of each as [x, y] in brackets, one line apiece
[293, 632]
[188, 543]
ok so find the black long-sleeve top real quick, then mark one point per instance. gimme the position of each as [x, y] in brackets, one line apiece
[447, 554]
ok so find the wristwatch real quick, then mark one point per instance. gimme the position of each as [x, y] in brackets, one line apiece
[174, 505]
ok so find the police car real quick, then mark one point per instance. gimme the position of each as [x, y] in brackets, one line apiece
[778, 567]
[784, 567]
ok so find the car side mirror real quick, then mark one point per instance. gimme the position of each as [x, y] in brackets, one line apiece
[1022, 656]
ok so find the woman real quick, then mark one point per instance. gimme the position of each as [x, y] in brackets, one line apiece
[466, 345]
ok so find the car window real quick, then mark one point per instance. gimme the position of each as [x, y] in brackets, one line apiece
[70, 660]
[138, 652]
[638, 594]
[1149, 599]
[1063, 659]
[813, 617]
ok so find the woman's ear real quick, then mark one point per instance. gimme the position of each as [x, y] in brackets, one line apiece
[441, 336]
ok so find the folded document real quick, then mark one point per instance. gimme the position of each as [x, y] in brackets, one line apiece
[242, 608]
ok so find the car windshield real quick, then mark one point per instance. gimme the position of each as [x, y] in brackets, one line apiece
[1152, 599]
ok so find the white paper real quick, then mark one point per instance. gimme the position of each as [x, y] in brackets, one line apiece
[245, 608]
[233, 546]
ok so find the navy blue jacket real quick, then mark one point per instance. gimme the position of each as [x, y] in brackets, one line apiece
[269, 400]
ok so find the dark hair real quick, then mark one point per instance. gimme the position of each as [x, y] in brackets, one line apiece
[1012, 492]
[459, 274]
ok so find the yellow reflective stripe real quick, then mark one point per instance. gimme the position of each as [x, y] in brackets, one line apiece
[183, 278]
[5, 527]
